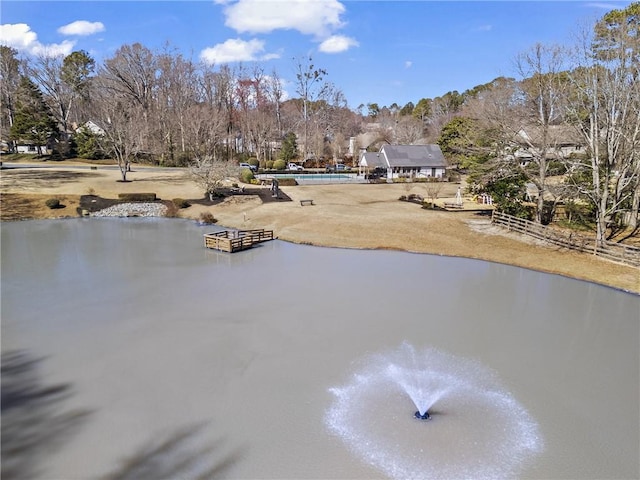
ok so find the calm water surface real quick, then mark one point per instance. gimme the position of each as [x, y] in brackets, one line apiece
[158, 336]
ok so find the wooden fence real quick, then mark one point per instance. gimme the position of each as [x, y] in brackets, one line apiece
[574, 241]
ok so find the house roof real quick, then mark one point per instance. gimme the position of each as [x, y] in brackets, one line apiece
[364, 140]
[372, 160]
[92, 127]
[414, 156]
[557, 135]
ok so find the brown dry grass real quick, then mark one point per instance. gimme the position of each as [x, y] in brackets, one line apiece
[352, 216]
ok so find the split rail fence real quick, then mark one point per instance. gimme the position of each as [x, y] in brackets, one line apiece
[611, 251]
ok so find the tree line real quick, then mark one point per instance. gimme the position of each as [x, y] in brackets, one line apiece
[162, 107]
[568, 129]
[509, 134]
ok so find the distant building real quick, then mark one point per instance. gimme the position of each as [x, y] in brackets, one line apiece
[92, 127]
[405, 161]
[32, 148]
[562, 143]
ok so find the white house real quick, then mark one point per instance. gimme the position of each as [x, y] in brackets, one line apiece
[32, 148]
[404, 161]
[91, 127]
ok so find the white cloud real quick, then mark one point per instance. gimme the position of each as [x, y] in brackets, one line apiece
[408, 64]
[22, 38]
[236, 50]
[337, 44]
[54, 49]
[18, 36]
[81, 27]
[605, 5]
[309, 17]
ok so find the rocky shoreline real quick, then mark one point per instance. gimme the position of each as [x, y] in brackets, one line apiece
[132, 210]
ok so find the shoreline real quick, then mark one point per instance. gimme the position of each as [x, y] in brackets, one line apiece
[362, 216]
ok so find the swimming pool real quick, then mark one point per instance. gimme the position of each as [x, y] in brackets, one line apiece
[310, 178]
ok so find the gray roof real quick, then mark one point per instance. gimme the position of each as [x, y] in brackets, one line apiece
[414, 155]
[373, 160]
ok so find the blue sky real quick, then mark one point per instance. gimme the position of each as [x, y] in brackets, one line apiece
[374, 51]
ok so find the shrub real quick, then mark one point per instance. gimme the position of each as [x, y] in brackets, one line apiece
[181, 203]
[137, 197]
[454, 177]
[269, 164]
[287, 182]
[52, 203]
[279, 164]
[246, 175]
[428, 205]
[171, 211]
[207, 218]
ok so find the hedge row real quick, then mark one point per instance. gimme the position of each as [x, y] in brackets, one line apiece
[137, 197]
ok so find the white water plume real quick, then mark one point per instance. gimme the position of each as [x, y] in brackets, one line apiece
[477, 429]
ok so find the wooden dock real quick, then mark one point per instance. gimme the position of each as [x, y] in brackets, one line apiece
[236, 240]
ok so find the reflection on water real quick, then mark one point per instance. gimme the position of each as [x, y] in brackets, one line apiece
[155, 333]
[181, 455]
[34, 420]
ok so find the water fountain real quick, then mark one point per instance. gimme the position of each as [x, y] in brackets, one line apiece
[469, 412]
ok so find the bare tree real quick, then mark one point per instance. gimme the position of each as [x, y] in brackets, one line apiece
[408, 130]
[275, 93]
[129, 78]
[310, 87]
[219, 91]
[176, 91]
[46, 72]
[9, 81]
[606, 110]
[205, 134]
[210, 174]
[256, 112]
[64, 81]
[433, 187]
[120, 121]
[544, 91]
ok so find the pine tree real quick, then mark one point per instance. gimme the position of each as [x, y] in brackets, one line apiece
[289, 147]
[33, 119]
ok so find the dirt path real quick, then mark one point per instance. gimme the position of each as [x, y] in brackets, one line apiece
[352, 216]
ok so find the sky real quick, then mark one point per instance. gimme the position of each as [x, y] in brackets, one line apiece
[375, 51]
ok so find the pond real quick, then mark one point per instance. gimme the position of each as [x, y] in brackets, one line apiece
[292, 361]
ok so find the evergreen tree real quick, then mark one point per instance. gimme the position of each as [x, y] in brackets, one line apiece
[33, 119]
[289, 147]
[88, 144]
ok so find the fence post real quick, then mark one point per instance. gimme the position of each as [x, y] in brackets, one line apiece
[626, 254]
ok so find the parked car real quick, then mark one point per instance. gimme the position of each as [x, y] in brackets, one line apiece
[253, 168]
[339, 167]
[294, 167]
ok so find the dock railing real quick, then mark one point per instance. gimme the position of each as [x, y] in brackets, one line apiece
[616, 252]
[234, 240]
